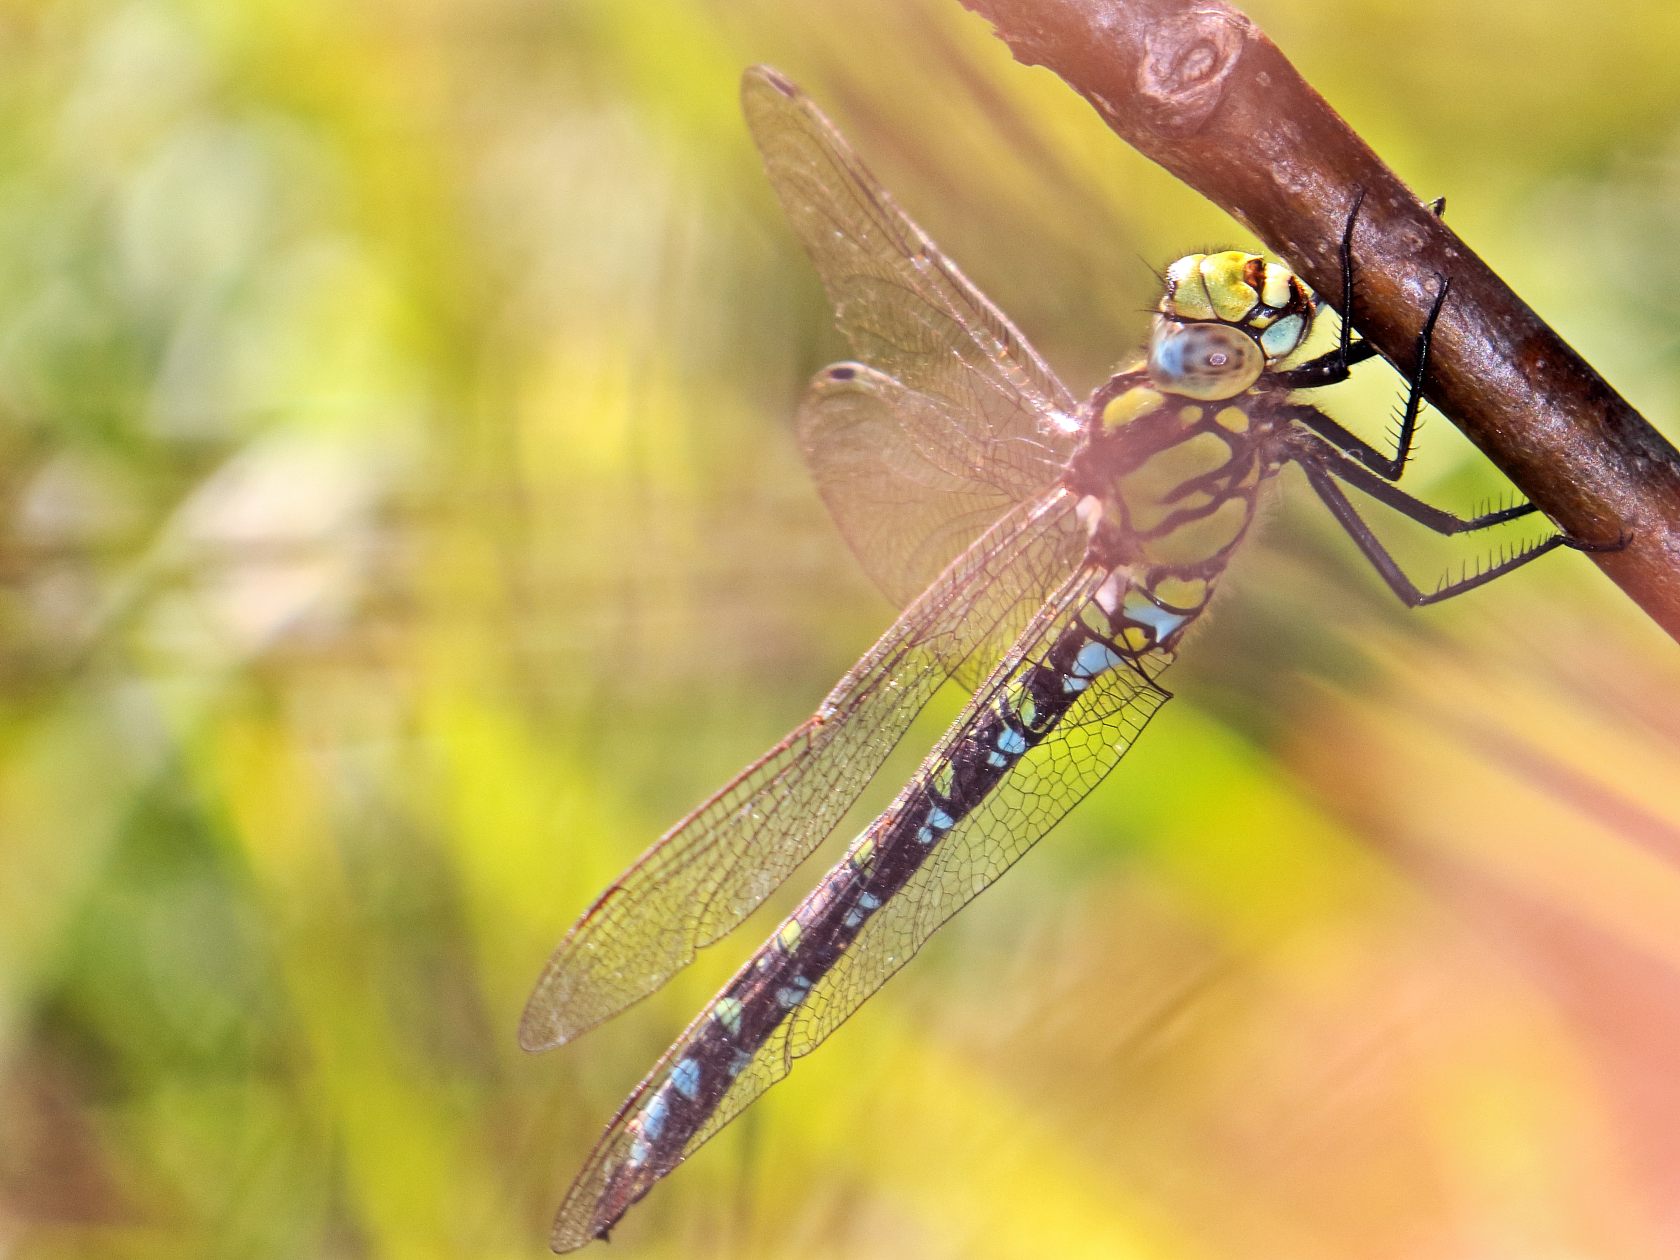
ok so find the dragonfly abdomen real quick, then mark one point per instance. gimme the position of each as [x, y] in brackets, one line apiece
[787, 973]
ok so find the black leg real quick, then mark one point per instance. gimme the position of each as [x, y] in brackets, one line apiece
[1330, 368]
[1315, 453]
[1389, 569]
[1387, 466]
[1334, 365]
[1328, 452]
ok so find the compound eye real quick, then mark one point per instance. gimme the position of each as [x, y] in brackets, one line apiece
[1206, 361]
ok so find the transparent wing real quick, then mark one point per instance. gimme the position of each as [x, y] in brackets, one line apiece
[700, 879]
[1030, 798]
[907, 483]
[991, 408]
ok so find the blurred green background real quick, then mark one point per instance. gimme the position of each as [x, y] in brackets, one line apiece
[400, 524]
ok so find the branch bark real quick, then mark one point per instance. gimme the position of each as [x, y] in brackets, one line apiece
[1195, 86]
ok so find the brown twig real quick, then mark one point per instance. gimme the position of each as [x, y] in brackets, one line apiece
[1197, 87]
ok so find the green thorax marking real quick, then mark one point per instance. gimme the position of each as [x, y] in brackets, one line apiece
[1169, 487]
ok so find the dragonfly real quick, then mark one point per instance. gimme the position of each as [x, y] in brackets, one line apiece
[1049, 554]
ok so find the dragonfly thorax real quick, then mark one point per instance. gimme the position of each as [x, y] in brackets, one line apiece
[1224, 320]
[1167, 486]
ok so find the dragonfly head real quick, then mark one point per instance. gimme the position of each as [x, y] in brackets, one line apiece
[1224, 320]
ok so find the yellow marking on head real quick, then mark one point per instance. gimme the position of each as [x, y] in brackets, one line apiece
[1186, 594]
[1277, 290]
[789, 935]
[1190, 415]
[1135, 402]
[1203, 539]
[1187, 295]
[1233, 418]
[1232, 296]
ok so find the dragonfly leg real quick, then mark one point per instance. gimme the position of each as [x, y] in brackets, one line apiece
[1324, 465]
[1389, 569]
[1389, 467]
[1334, 366]
[1313, 452]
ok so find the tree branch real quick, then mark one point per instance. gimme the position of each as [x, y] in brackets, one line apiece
[1197, 87]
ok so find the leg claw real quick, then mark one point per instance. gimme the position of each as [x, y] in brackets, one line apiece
[1620, 541]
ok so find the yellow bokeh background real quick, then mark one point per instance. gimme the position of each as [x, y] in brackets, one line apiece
[401, 524]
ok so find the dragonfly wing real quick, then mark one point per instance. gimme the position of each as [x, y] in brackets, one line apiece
[995, 408]
[907, 482]
[697, 1087]
[700, 879]
[1031, 799]
[1036, 794]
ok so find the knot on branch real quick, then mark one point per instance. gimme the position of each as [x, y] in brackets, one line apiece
[1187, 63]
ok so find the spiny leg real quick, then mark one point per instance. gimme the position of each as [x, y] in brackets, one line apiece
[1389, 569]
[1390, 467]
[1313, 452]
[1334, 366]
[1332, 451]
[1324, 464]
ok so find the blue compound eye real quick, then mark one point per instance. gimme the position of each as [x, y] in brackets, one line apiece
[1200, 360]
[1283, 338]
